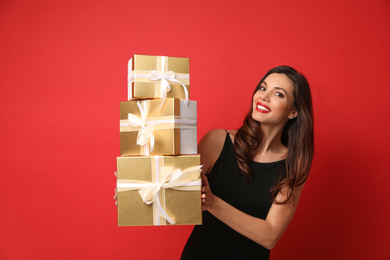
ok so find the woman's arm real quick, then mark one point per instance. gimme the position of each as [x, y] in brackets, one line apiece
[264, 232]
[210, 147]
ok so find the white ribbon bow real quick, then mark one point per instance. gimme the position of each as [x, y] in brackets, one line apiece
[187, 180]
[165, 77]
[172, 179]
[145, 135]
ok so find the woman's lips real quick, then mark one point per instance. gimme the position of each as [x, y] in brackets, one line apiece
[262, 108]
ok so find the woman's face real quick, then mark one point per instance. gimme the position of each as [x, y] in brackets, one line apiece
[273, 103]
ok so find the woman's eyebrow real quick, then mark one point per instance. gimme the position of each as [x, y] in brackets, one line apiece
[281, 89]
[265, 83]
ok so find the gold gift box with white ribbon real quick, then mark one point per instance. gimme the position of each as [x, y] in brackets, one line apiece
[146, 128]
[159, 190]
[158, 77]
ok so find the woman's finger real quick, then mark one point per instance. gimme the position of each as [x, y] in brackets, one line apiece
[205, 181]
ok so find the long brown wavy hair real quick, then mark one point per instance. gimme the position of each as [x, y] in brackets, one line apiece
[297, 136]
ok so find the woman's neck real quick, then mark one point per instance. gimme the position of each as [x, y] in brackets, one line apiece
[271, 147]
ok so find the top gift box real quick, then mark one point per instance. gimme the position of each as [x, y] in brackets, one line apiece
[158, 77]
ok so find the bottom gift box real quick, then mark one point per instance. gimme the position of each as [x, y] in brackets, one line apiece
[159, 190]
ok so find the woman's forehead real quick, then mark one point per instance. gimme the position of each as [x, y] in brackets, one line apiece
[277, 80]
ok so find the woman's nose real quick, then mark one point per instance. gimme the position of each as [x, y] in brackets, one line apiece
[265, 95]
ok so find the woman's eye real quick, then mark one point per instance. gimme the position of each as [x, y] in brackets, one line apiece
[279, 94]
[262, 88]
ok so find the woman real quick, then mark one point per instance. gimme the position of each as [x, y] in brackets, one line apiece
[253, 177]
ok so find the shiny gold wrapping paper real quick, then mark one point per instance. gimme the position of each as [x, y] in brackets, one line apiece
[144, 88]
[183, 206]
[167, 141]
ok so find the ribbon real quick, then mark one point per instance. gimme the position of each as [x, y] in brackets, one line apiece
[145, 135]
[163, 122]
[165, 77]
[162, 76]
[146, 125]
[166, 178]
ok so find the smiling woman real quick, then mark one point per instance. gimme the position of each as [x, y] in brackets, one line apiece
[253, 176]
[275, 91]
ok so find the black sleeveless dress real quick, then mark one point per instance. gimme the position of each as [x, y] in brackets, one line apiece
[214, 239]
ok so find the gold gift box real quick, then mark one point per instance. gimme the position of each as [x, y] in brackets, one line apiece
[174, 127]
[183, 206]
[140, 86]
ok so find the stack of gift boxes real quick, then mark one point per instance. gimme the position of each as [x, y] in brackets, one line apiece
[158, 172]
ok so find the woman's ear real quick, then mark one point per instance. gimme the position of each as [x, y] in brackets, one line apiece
[293, 114]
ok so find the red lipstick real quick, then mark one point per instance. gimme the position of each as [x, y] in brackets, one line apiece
[262, 108]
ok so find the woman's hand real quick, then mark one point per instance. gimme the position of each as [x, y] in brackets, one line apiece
[116, 198]
[208, 197]
[116, 195]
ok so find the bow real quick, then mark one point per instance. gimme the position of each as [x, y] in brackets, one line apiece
[165, 77]
[187, 180]
[145, 135]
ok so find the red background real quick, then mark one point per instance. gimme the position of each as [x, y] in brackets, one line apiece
[63, 73]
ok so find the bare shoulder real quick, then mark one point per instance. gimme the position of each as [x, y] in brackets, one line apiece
[210, 147]
[215, 135]
[232, 134]
[212, 141]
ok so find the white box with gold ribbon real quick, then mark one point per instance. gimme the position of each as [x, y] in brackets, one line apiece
[146, 128]
[158, 77]
[159, 190]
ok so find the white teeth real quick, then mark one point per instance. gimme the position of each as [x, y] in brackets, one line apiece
[263, 108]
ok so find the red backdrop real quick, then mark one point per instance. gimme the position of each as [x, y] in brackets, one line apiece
[63, 74]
